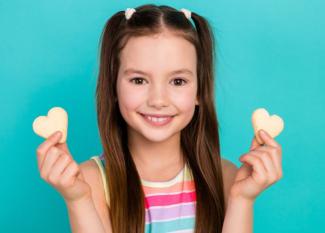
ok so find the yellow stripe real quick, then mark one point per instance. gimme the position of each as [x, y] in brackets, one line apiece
[102, 172]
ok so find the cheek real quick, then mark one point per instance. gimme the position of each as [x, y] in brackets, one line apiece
[129, 98]
[186, 107]
[184, 100]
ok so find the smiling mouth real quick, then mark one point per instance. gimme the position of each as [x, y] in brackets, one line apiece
[157, 115]
[157, 121]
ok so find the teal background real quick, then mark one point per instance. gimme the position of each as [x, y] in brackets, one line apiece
[270, 54]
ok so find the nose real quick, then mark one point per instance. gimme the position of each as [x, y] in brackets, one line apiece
[158, 96]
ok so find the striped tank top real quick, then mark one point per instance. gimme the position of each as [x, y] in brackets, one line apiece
[169, 205]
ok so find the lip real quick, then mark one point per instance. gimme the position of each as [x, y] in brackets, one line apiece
[156, 115]
[169, 119]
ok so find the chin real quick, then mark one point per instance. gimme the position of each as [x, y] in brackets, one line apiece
[157, 137]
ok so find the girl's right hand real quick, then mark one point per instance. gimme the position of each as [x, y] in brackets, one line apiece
[58, 168]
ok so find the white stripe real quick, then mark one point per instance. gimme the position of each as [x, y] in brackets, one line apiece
[171, 219]
[182, 231]
[167, 193]
[164, 184]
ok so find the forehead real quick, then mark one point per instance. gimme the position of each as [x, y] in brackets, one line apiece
[160, 51]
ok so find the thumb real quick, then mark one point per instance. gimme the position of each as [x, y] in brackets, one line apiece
[244, 171]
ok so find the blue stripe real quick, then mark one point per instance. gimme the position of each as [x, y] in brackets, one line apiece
[174, 225]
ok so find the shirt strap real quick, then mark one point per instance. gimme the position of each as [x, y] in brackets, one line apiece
[101, 165]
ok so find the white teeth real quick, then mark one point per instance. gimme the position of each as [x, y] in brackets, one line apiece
[157, 119]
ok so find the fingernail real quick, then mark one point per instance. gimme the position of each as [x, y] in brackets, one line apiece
[263, 132]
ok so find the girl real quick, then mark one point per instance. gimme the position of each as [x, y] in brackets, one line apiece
[161, 169]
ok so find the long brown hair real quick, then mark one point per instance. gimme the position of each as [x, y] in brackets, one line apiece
[199, 139]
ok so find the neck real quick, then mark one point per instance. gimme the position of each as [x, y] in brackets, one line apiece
[156, 160]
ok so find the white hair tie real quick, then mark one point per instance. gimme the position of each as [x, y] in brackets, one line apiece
[186, 12]
[129, 12]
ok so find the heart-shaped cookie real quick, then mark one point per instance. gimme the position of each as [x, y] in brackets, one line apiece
[271, 124]
[56, 119]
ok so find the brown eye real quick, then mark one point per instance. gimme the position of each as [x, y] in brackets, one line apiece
[137, 80]
[179, 81]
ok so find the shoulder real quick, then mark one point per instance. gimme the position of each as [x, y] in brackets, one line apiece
[92, 176]
[228, 167]
[91, 172]
[229, 171]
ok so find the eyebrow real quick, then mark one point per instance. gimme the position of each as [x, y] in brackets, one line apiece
[180, 71]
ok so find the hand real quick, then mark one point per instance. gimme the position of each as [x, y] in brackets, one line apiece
[262, 167]
[58, 168]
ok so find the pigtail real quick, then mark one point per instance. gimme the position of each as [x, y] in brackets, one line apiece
[207, 165]
[207, 52]
[124, 195]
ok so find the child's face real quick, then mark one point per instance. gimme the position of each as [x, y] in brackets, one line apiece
[157, 90]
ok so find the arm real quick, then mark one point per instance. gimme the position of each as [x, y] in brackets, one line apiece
[262, 166]
[92, 212]
[58, 168]
[239, 216]
[84, 217]
[239, 211]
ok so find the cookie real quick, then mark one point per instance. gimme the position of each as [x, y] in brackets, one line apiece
[56, 119]
[271, 124]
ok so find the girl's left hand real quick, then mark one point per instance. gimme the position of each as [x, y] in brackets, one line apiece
[262, 167]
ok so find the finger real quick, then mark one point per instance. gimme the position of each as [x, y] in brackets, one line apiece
[51, 156]
[71, 172]
[64, 147]
[275, 156]
[254, 154]
[58, 167]
[268, 164]
[254, 144]
[259, 171]
[45, 146]
[267, 139]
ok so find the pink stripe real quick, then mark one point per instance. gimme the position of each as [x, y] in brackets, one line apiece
[178, 211]
[164, 200]
[180, 186]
